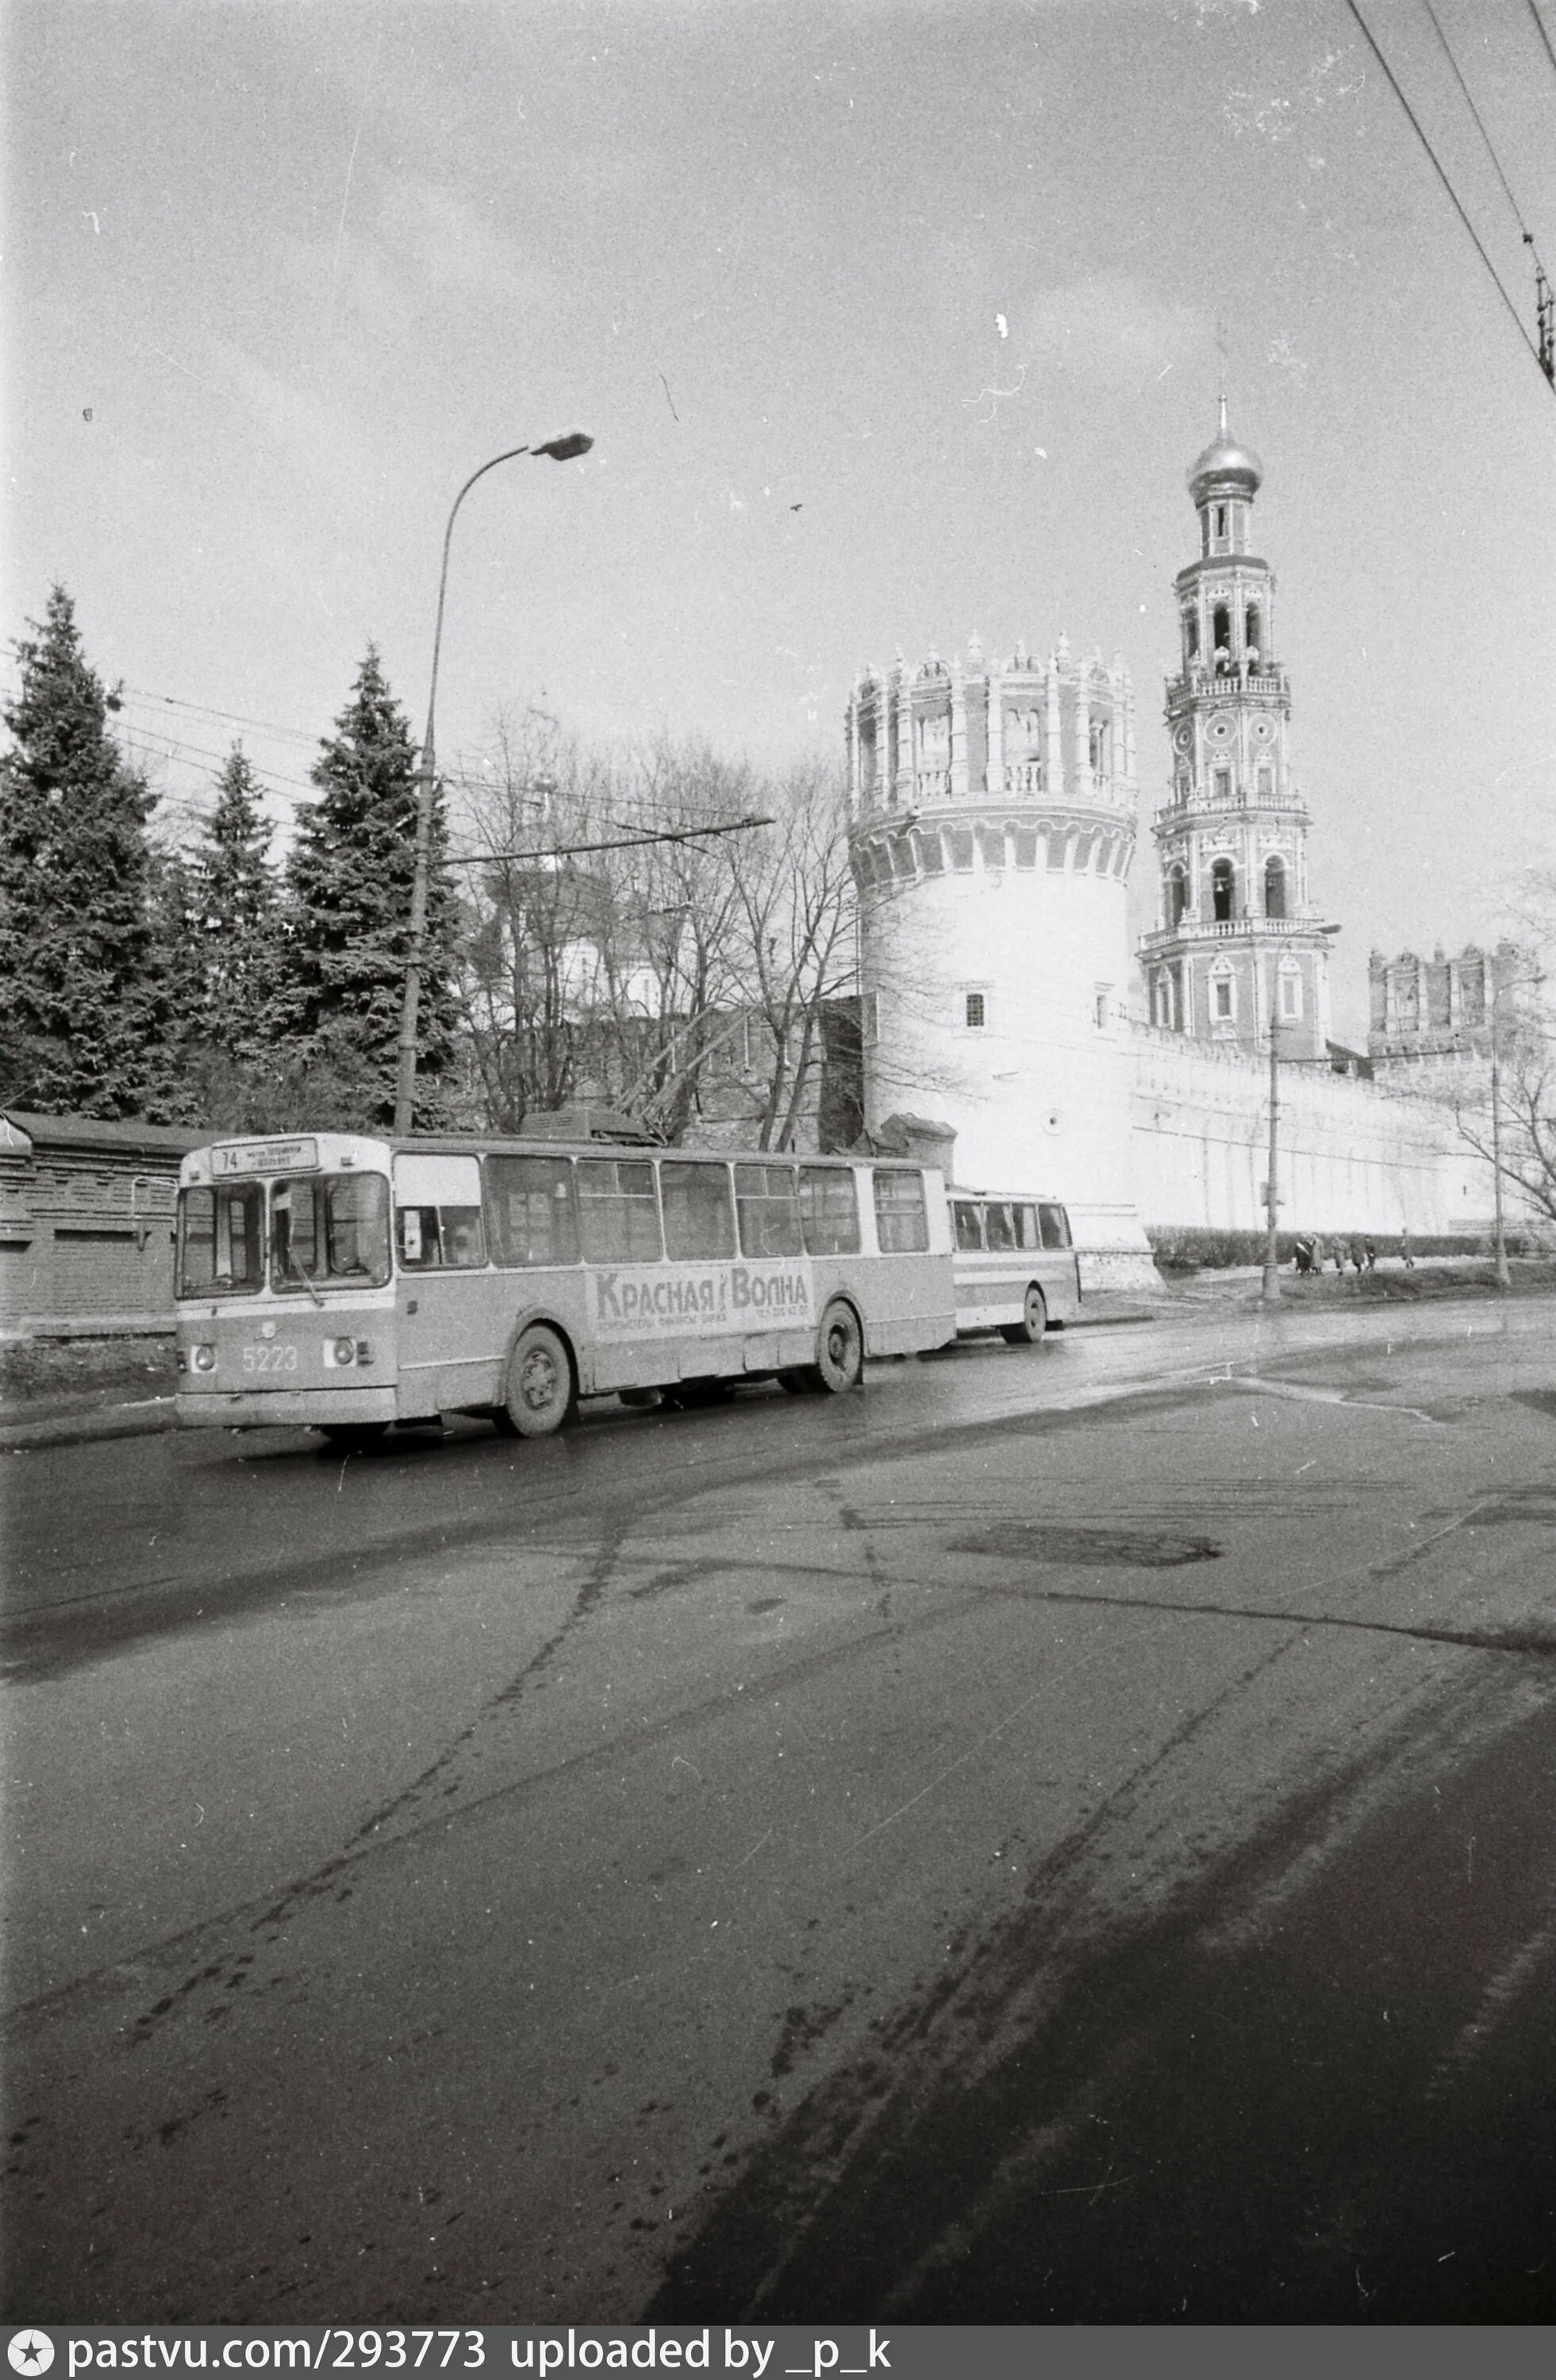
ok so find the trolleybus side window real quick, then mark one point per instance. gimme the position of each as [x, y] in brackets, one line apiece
[698, 1219]
[618, 1213]
[768, 1210]
[1024, 1217]
[437, 1213]
[221, 1242]
[829, 1210]
[969, 1223]
[1055, 1227]
[902, 1225]
[533, 1218]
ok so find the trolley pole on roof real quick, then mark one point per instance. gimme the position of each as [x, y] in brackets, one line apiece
[555, 450]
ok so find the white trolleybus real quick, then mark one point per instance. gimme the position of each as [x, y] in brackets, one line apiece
[1014, 1267]
[342, 1284]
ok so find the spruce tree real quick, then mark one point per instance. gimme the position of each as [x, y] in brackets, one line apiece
[348, 888]
[78, 1001]
[235, 902]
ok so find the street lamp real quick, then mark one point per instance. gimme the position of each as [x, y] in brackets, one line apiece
[1270, 1284]
[555, 450]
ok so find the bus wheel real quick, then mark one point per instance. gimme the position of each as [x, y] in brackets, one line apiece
[354, 1435]
[840, 1349]
[1033, 1322]
[540, 1393]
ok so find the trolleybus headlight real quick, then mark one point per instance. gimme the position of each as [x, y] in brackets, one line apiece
[205, 1359]
[344, 1351]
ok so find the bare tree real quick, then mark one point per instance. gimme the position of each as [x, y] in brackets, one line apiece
[1503, 1090]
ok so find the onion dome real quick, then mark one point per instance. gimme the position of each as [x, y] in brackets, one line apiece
[1224, 464]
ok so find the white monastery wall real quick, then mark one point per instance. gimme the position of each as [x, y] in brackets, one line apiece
[1351, 1155]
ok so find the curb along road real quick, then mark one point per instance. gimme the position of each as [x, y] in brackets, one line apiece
[147, 1416]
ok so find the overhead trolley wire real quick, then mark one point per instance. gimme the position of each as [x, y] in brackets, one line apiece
[1545, 37]
[1447, 185]
[1490, 152]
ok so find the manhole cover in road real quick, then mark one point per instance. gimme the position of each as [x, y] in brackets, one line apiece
[1082, 1548]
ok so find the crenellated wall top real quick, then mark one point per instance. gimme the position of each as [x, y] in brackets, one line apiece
[938, 732]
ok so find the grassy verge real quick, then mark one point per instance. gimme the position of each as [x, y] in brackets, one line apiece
[37, 1374]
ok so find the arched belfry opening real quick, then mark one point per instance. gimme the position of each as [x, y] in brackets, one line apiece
[1222, 891]
[1177, 893]
[1275, 888]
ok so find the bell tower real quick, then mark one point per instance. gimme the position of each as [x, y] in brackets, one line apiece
[1239, 942]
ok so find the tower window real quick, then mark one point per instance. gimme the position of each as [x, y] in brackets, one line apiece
[1222, 882]
[1291, 994]
[1274, 888]
[1253, 639]
[976, 1014]
[1223, 784]
[1220, 631]
[1177, 895]
[1098, 745]
[1266, 781]
[1221, 520]
[1221, 996]
[1191, 634]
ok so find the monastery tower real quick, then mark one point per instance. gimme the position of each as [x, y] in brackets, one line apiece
[993, 810]
[1239, 941]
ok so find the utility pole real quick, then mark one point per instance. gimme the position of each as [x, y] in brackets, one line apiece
[1269, 1288]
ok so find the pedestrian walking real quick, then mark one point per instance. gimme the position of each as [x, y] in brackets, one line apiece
[1406, 1253]
[1304, 1256]
[1357, 1257]
[1370, 1252]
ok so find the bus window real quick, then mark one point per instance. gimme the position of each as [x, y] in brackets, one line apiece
[618, 1214]
[221, 1242]
[997, 1222]
[331, 1227]
[417, 1237]
[533, 1220]
[969, 1224]
[698, 1221]
[902, 1226]
[1055, 1226]
[829, 1210]
[767, 1211]
[1026, 1220]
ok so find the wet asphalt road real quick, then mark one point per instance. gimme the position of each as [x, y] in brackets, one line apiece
[1066, 1834]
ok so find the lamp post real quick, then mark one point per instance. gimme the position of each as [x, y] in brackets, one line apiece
[555, 450]
[1270, 1284]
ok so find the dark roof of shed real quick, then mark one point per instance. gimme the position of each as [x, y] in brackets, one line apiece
[131, 1136]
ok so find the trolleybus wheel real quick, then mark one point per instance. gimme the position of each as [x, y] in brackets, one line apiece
[840, 1349]
[353, 1435]
[1033, 1322]
[540, 1393]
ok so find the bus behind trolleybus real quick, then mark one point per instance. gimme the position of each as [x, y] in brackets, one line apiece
[1015, 1265]
[336, 1281]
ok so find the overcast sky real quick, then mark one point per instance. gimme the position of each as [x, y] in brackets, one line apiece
[892, 323]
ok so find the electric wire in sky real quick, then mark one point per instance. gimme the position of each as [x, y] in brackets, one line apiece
[1442, 177]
